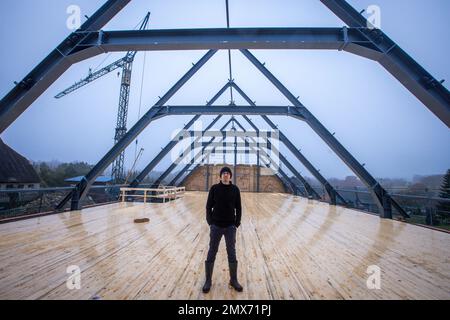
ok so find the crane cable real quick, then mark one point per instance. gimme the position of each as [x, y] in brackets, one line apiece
[140, 99]
[109, 54]
[140, 94]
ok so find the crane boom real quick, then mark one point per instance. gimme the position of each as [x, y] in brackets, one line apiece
[92, 76]
[129, 57]
[126, 63]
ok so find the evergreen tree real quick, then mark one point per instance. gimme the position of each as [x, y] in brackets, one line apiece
[443, 207]
[55, 177]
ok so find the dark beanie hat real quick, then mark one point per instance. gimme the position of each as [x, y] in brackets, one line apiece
[226, 169]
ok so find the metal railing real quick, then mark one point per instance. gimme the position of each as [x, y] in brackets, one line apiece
[422, 207]
[164, 193]
[24, 202]
[16, 203]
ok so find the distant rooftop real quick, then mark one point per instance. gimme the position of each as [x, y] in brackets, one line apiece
[15, 168]
[102, 179]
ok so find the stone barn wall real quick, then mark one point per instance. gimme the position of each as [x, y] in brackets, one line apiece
[246, 179]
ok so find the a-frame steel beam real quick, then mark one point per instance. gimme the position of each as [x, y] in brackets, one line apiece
[332, 193]
[284, 178]
[430, 91]
[397, 62]
[227, 38]
[53, 66]
[235, 149]
[229, 110]
[380, 196]
[187, 166]
[360, 38]
[243, 144]
[309, 190]
[89, 42]
[181, 110]
[258, 173]
[289, 184]
[83, 186]
[158, 112]
[172, 143]
[186, 151]
[204, 146]
[294, 187]
[278, 172]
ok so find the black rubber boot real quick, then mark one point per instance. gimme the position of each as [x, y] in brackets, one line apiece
[209, 266]
[233, 276]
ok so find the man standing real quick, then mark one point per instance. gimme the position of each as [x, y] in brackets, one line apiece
[223, 214]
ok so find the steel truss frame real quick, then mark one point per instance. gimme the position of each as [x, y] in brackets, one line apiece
[359, 38]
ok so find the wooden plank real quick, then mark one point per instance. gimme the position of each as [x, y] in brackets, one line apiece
[288, 248]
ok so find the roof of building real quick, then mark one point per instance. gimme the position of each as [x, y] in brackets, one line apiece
[103, 179]
[15, 168]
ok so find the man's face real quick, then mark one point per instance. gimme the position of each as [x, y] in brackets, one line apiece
[225, 177]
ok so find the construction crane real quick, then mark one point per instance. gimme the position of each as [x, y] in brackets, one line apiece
[126, 63]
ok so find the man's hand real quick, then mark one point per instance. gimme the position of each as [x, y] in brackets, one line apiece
[237, 224]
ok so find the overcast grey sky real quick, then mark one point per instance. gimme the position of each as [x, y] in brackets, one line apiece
[381, 123]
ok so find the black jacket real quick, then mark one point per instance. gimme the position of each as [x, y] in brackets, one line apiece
[223, 207]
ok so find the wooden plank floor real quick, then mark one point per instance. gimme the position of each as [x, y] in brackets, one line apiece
[288, 248]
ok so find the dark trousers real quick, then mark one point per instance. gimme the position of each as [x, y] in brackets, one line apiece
[215, 236]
